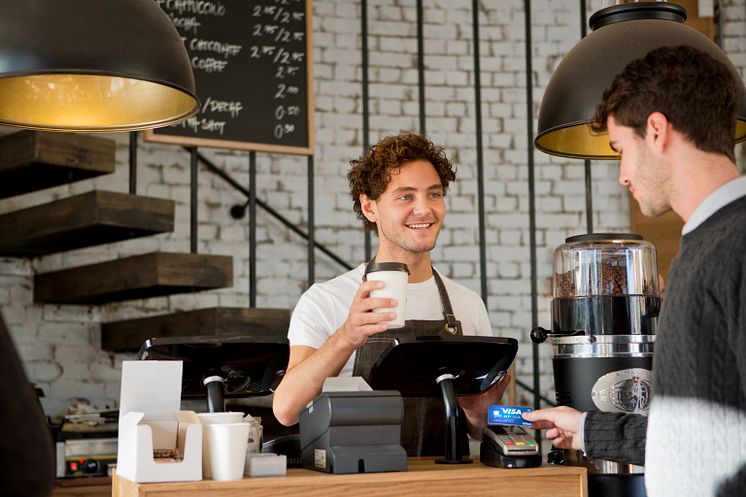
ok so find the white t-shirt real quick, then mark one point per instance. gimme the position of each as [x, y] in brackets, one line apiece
[324, 307]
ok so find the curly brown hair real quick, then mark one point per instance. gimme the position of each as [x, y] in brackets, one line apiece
[698, 94]
[370, 174]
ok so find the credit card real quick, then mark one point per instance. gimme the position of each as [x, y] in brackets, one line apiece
[507, 415]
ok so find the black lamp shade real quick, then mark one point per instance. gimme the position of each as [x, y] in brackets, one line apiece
[622, 33]
[92, 65]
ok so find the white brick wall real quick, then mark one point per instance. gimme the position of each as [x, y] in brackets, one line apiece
[60, 345]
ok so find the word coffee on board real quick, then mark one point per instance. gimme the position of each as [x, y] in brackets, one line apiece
[253, 70]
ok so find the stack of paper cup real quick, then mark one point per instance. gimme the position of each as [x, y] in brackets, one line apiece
[210, 418]
[395, 275]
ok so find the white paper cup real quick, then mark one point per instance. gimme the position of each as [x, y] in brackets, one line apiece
[207, 418]
[395, 276]
[227, 446]
[220, 417]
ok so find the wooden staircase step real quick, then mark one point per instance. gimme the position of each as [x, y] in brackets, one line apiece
[34, 160]
[142, 276]
[129, 335]
[84, 220]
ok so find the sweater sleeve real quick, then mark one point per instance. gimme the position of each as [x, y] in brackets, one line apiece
[615, 436]
[737, 329]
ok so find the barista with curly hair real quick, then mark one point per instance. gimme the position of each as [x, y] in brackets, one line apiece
[398, 189]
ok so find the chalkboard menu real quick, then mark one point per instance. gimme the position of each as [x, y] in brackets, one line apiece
[252, 62]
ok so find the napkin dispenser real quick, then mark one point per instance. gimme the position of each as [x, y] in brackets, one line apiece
[353, 432]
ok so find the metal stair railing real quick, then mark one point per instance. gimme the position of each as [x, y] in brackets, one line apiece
[272, 212]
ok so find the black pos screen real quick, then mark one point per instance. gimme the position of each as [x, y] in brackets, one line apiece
[250, 365]
[413, 366]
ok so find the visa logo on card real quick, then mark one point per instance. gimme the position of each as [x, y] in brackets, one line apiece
[507, 415]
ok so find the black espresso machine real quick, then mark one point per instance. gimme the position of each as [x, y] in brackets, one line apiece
[605, 306]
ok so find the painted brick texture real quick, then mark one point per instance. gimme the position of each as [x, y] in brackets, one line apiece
[60, 345]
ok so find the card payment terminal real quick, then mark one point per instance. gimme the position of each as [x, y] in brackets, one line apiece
[508, 447]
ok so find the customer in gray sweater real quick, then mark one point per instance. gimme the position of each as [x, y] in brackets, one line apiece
[672, 115]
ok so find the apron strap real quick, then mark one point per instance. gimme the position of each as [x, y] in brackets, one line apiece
[452, 325]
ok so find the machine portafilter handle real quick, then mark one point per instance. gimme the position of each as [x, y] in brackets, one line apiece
[540, 335]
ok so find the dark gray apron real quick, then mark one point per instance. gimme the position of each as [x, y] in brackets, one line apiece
[423, 427]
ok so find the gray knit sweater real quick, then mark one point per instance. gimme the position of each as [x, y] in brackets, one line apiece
[696, 432]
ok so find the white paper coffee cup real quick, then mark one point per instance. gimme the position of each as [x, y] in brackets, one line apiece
[207, 418]
[395, 276]
[227, 447]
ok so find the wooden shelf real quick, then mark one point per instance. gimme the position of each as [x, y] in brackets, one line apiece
[84, 220]
[129, 335]
[142, 276]
[34, 160]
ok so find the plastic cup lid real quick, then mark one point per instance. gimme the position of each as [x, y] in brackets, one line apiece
[386, 266]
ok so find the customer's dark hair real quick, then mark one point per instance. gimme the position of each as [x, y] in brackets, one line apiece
[698, 95]
[370, 174]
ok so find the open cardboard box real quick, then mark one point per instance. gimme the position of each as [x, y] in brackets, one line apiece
[149, 418]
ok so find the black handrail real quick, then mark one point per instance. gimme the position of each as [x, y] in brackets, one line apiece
[228, 179]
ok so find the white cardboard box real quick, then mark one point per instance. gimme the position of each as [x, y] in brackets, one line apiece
[149, 418]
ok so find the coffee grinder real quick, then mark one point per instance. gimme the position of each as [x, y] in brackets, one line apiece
[605, 305]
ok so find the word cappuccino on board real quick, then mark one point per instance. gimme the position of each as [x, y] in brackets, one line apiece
[201, 7]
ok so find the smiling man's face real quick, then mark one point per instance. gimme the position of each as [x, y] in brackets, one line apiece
[409, 213]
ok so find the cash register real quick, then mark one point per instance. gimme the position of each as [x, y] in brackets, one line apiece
[346, 432]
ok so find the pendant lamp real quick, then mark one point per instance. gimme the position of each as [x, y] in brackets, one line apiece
[621, 34]
[92, 65]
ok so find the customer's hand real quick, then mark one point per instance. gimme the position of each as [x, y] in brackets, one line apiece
[361, 320]
[562, 423]
[475, 406]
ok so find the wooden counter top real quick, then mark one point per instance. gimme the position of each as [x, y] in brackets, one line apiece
[424, 477]
[95, 486]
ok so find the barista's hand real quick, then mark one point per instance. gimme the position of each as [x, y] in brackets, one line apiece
[475, 406]
[563, 425]
[361, 321]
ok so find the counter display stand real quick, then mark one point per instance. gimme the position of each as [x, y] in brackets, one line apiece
[471, 372]
[422, 478]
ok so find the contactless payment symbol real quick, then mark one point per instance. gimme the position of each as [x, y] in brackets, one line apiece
[508, 415]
